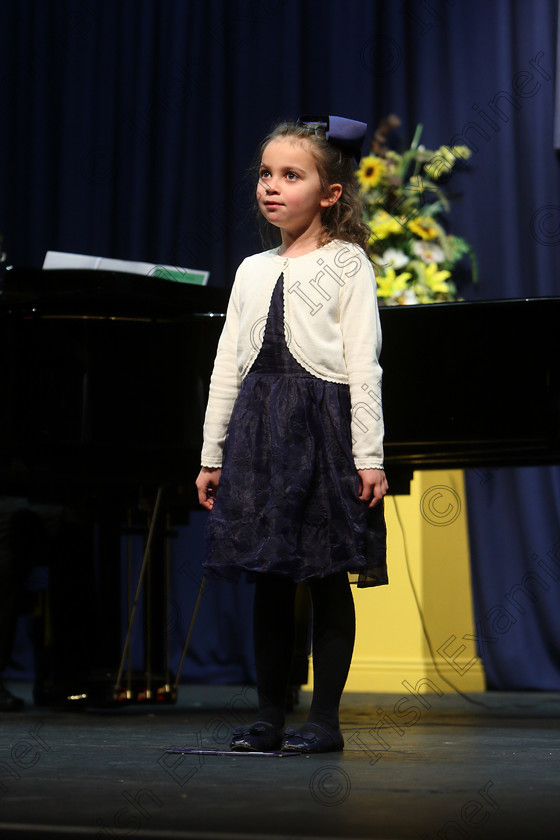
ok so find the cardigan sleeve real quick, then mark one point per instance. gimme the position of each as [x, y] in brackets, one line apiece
[225, 383]
[361, 335]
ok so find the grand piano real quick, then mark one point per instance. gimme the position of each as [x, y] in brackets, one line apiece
[106, 374]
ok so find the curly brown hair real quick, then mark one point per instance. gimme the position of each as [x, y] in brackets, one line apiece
[344, 219]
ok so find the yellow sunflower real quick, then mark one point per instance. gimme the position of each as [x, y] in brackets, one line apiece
[423, 227]
[371, 171]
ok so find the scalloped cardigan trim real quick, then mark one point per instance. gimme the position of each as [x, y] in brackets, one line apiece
[332, 328]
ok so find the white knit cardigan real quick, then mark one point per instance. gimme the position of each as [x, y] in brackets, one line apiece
[332, 328]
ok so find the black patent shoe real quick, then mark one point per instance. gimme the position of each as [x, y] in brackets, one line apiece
[259, 737]
[312, 738]
[8, 701]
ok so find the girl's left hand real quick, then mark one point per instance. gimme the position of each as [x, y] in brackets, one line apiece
[373, 486]
[207, 485]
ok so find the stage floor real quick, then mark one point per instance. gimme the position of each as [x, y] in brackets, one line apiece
[425, 766]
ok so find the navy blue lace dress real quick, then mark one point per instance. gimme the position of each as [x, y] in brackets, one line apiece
[287, 502]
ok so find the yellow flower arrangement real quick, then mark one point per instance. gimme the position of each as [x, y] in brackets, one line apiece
[383, 225]
[413, 254]
[423, 227]
[370, 172]
[391, 284]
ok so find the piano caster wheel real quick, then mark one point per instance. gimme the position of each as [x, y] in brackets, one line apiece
[46, 695]
[70, 702]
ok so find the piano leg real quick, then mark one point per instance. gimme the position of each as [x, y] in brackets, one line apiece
[46, 572]
[69, 640]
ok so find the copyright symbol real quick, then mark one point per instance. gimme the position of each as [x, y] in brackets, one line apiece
[330, 785]
[381, 58]
[545, 225]
[256, 335]
[440, 505]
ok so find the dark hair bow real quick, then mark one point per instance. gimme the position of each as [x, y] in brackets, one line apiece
[345, 134]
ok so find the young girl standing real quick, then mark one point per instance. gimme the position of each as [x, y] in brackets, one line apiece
[293, 456]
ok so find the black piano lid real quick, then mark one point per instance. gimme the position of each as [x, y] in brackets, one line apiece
[110, 293]
[472, 383]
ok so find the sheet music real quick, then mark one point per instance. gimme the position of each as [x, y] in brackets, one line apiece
[176, 274]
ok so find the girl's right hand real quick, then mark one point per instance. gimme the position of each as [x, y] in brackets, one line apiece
[207, 486]
[372, 486]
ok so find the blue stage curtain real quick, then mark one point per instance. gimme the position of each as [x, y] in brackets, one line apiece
[515, 552]
[128, 127]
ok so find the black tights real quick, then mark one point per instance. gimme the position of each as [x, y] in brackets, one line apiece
[334, 629]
